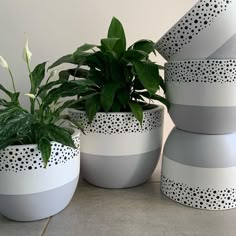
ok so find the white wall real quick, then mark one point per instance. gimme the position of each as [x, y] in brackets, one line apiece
[56, 28]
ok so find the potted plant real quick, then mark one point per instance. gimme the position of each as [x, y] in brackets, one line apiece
[39, 158]
[123, 128]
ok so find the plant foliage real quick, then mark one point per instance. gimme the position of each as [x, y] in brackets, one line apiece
[42, 123]
[124, 78]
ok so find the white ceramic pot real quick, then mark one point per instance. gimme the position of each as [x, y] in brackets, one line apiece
[205, 31]
[116, 152]
[202, 94]
[200, 170]
[30, 192]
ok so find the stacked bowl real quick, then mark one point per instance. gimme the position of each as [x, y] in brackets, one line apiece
[199, 158]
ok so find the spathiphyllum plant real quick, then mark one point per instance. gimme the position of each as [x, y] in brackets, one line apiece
[123, 79]
[42, 122]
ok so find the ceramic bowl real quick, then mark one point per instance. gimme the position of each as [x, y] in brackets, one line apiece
[202, 94]
[116, 152]
[200, 170]
[205, 31]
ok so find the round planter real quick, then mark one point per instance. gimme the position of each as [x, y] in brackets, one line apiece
[30, 192]
[202, 94]
[200, 170]
[116, 152]
[205, 31]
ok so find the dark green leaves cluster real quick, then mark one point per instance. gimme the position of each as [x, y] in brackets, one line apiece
[125, 78]
[42, 124]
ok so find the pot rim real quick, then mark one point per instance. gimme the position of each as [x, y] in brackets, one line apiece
[201, 60]
[176, 23]
[158, 107]
[76, 132]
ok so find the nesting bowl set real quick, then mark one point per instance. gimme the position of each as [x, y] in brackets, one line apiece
[199, 157]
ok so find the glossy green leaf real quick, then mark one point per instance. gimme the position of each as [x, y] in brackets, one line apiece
[92, 106]
[116, 30]
[44, 146]
[157, 98]
[112, 45]
[147, 46]
[37, 76]
[65, 59]
[137, 110]
[148, 74]
[107, 95]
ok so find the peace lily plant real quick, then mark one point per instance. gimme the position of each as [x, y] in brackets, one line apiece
[42, 123]
[124, 78]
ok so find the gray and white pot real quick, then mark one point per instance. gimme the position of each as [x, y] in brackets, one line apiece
[200, 170]
[205, 31]
[30, 192]
[116, 152]
[202, 94]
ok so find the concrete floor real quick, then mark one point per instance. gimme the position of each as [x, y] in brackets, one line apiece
[143, 211]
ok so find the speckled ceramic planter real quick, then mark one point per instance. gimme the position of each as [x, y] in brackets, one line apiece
[205, 31]
[200, 170]
[202, 94]
[116, 152]
[30, 192]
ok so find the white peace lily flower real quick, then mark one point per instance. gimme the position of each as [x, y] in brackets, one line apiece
[3, 63]
[30, 95]
[26, 52]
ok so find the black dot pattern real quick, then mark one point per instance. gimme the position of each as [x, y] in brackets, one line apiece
[201, 16]
[18, 159]
[119, 123]
[209, 199]
[206, 71]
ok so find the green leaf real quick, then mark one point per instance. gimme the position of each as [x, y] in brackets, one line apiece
[64, 75]
[37, 76]
[112, 45]
[147, 46]
[44, 146]
[60, 135]
[3, 102]
[7, 92]
[162, 84]
[123, 97]
[108, 94]
[157, 98]
[148, 74]
[85, 47]
[65, 59]
[116, 30]
[18, 123]
[78, 72]
[137, 111]
[116, 106]
[92, 106]
[134, 55]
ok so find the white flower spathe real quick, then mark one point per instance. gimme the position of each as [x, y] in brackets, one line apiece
[30, 95]
[26, 52]
[3, 63]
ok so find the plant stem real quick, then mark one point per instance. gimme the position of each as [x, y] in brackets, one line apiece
[12, 80]
[32, 101]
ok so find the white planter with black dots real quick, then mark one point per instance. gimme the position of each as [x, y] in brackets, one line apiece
[115, 151]
[202, 94]
[200, 170]
[205, 31]
[30, 192]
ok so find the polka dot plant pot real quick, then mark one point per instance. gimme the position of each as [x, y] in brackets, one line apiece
[205, 31]
[116, 152]
[30, 192]
[200, 170]
[202, 94]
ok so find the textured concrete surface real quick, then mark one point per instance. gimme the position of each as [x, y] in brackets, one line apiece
[143, 211]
